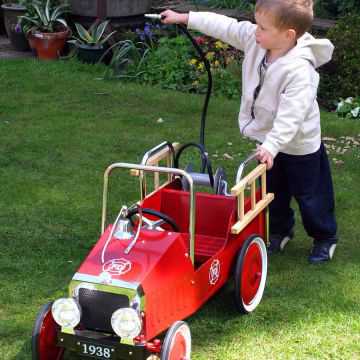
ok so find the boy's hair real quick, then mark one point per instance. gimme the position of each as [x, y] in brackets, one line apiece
[289, 14]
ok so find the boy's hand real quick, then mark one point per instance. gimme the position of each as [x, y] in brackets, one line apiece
[264, 157]
[172, 17]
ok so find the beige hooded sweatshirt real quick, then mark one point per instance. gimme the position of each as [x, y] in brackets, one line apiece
[285, 114]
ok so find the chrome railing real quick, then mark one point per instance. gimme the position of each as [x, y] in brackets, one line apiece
[159, 169]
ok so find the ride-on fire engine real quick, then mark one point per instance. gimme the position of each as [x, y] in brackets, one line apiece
[160, 261]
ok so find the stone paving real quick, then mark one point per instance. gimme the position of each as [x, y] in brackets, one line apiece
[8, 52]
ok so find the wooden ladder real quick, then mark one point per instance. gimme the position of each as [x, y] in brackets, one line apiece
[256, 206]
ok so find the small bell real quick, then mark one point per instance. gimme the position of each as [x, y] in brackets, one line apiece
[124, 228]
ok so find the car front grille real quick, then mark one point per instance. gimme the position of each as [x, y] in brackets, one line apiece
[98, 307]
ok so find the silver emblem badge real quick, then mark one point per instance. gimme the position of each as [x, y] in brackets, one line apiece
[117, 266]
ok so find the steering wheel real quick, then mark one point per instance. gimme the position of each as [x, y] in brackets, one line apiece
[163, 218]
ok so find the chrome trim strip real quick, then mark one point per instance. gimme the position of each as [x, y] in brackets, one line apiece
[98, 280]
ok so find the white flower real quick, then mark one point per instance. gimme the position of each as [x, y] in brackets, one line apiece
[349, 100]
[355, 112]
[340, 105]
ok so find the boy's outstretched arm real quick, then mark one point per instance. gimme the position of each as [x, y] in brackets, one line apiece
[218, 26]
[172, 17]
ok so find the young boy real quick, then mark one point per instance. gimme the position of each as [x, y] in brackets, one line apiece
[279, 110]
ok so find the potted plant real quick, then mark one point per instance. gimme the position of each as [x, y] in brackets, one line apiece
[45, 27]
[11, 12]
[91, 43]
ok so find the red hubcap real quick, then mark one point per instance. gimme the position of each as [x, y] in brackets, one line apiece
[251, 273]
[178, 348]
[47, 340]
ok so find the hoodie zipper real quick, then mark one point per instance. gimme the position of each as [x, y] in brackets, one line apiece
[256, 94]
[258, 88]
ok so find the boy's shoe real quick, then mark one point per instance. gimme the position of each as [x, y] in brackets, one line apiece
[278, 242]
[322, 251]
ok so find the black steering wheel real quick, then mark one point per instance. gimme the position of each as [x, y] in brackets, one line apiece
[163, 218]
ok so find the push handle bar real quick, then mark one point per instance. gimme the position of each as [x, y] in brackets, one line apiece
[242, 166]
[156, 149]
[207, 68]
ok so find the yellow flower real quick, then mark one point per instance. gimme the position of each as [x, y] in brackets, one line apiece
[200, 67]
[193, 62]
[220, 45]
[216, 63]
[210, 55]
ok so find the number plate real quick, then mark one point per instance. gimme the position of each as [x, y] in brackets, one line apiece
[96, 351]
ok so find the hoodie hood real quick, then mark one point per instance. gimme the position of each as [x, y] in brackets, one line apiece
[317, 51]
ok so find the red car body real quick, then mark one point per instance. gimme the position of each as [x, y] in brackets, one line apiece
[161, 277]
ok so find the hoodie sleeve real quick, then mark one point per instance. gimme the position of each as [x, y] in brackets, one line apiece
[222, 27]
[295, 103]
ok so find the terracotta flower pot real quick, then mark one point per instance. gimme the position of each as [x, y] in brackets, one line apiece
[48, 46]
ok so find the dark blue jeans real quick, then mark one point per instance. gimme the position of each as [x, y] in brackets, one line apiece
[307, 178]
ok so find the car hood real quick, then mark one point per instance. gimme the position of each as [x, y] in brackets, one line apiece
[107, 262]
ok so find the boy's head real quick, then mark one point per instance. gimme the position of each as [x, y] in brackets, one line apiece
[291, 18]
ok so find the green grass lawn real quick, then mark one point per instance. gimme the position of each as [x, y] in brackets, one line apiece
[60, 126]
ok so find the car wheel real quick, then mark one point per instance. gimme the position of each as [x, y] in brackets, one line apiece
[177, 342]
[250, 274]
[44, 336]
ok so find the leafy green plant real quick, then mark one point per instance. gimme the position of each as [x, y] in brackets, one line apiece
[349, 108]
[340, 77]
[168, 65]
[127, 60]
[173, 64]
[225, 63]
[43, 16]
[95, 36]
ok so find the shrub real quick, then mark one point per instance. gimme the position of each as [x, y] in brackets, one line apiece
[340, 78]
[173, 64]
[168, 65]
[349, 108]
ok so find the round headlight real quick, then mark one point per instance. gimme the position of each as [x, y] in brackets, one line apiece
[126, 323]
[66, 312]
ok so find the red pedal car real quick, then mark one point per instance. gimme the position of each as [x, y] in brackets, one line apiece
[160, 261]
